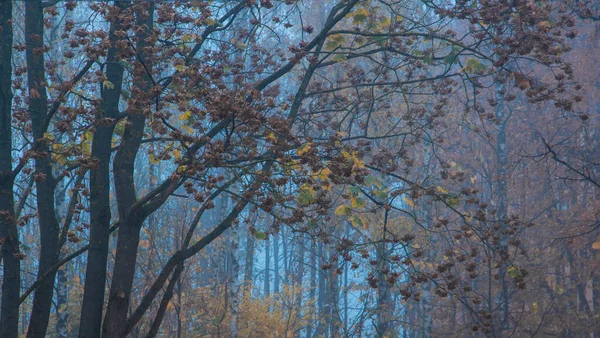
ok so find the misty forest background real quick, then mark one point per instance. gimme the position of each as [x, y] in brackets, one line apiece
[300, 168]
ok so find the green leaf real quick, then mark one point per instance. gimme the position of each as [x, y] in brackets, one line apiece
[381, 194]
[453, 200]
[360, 16]
[339, 58]
[357, 221]
[354, 190]
[357, 203]
[452, 57]
[372, 180]
[260, 235]
[334, 41]
[514, 272]
[474, 66]
[306, 195]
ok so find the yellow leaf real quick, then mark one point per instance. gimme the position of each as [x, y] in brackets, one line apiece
[76, 280]
[324, 174]
[186, 115]
[442, 190]
[86, 148]
[342, 210]
[108, 84]
[359, 163]
[304, 149]
[177, 154]
[153, 159]
[596, 245]
[88, 136]
[180, 68]
[385, 22]
[61, 160]
[409, 202]
[48, 137]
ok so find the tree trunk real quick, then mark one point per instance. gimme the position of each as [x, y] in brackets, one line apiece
[313, 280]
[321, 297]
[286, 259]
[124, 170]
[9, 236]
[276, 263]
[384, 299]
[100, 214]
[299, 276]
[249, 267]
[62, 295]
[501, 193]
[45, 183]
[267, 267]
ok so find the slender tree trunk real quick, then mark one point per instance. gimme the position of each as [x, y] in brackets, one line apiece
[100, 214]
[322, 309]
[162, 309]
[313, 281]
[286, 262]
[501, 193]
[276, 263]
[9, 236]
[45, 183]
[299, 277]
[234, 273]
[596, 298]
[384, 302]
[267, 286]
[346, 299]
[62, 299]
[62, 295]
[249, 267]
[333, 302]
[179, 321]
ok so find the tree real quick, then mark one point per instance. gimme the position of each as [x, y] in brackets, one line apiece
[267, 106]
